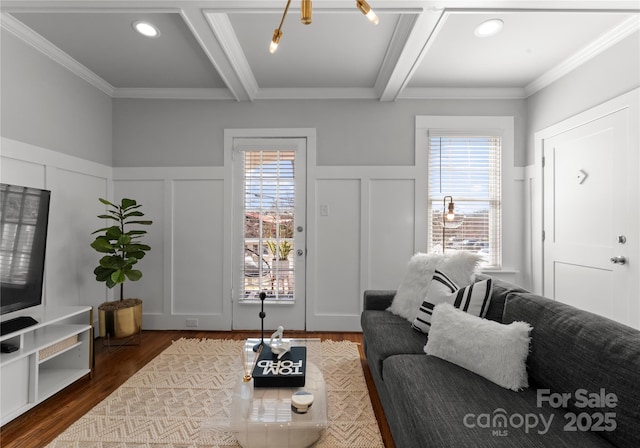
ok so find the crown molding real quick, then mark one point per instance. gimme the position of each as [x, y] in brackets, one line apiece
[626, 28]
[174, 94]
[321, 93]
[317, 94]
[462, 93]
[39, 43]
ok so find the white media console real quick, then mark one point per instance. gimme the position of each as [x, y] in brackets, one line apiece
[50, 355]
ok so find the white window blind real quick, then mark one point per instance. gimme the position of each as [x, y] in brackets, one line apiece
[268, 203]
[466, 167]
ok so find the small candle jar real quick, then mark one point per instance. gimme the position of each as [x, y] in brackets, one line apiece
[301, 401]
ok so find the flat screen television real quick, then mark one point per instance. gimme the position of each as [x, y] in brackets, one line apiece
[24, 217]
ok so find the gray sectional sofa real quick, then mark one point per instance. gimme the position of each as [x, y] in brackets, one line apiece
[583, 369]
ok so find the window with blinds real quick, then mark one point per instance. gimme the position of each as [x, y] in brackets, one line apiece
[268, 201]
[467, 168]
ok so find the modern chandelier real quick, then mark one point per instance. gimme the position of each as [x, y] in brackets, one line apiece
[305, 18]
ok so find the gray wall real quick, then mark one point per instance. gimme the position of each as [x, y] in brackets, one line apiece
[44, 104]
[349, 133]
[608, 75]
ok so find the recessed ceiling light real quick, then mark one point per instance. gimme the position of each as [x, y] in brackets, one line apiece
[489, 28]
[146, 29]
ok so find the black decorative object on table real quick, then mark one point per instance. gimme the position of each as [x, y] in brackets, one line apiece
[286, 370]
[262, 316]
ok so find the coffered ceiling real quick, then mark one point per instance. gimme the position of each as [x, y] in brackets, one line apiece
[420, 49]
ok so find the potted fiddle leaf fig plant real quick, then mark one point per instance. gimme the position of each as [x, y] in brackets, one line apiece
[122, 248]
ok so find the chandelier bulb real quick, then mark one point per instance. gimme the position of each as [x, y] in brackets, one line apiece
[373, 18]
[364, 7]
[305, 18]
[273, 46]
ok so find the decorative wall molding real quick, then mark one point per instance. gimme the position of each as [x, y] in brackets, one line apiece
[75, 184]
[458, 93]
[38, 42]
[596, 47]
[173, 94]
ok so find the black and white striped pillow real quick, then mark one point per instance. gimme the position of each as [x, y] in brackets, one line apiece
[473, 299]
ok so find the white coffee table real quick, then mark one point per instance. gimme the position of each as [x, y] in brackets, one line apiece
[267, 421]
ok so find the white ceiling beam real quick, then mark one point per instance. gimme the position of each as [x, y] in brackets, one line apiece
[401, 63]
[221, 53]
[394, 52]
[228, 41]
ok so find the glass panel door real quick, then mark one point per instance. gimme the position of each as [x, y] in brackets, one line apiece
[269, 237]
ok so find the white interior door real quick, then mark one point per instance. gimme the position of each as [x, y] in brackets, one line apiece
[589, 210]
[269, 244]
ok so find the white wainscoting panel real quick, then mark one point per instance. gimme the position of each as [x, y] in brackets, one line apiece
[22, 172]
[75, 186]
[197, 247]
[74, 209]
[364, 231]
[338, 268]
[150, 288]
[392, 225]
[183, 279]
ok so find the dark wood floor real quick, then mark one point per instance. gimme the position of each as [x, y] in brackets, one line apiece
[42, 424]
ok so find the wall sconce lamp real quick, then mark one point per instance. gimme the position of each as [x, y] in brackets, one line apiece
[450, 220]
[450, 215]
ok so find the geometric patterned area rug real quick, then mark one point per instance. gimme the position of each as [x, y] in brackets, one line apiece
[170, 402]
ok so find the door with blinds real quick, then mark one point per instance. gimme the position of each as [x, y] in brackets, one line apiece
[269, 232]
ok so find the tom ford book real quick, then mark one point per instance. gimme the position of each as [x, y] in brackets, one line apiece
[288, 371]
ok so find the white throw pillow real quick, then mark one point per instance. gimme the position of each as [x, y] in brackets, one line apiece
[494, 351]
[473, 299]
[460, 266]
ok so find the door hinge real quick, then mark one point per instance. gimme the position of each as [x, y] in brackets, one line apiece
[544, 161]
[544, 235]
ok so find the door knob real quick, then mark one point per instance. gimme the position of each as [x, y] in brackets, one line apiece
[300, 252]
[618, 260]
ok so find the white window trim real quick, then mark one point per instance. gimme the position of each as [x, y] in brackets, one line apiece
[511, 245]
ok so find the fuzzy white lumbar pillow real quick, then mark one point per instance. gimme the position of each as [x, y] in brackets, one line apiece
[494, 351]
[460, 266]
